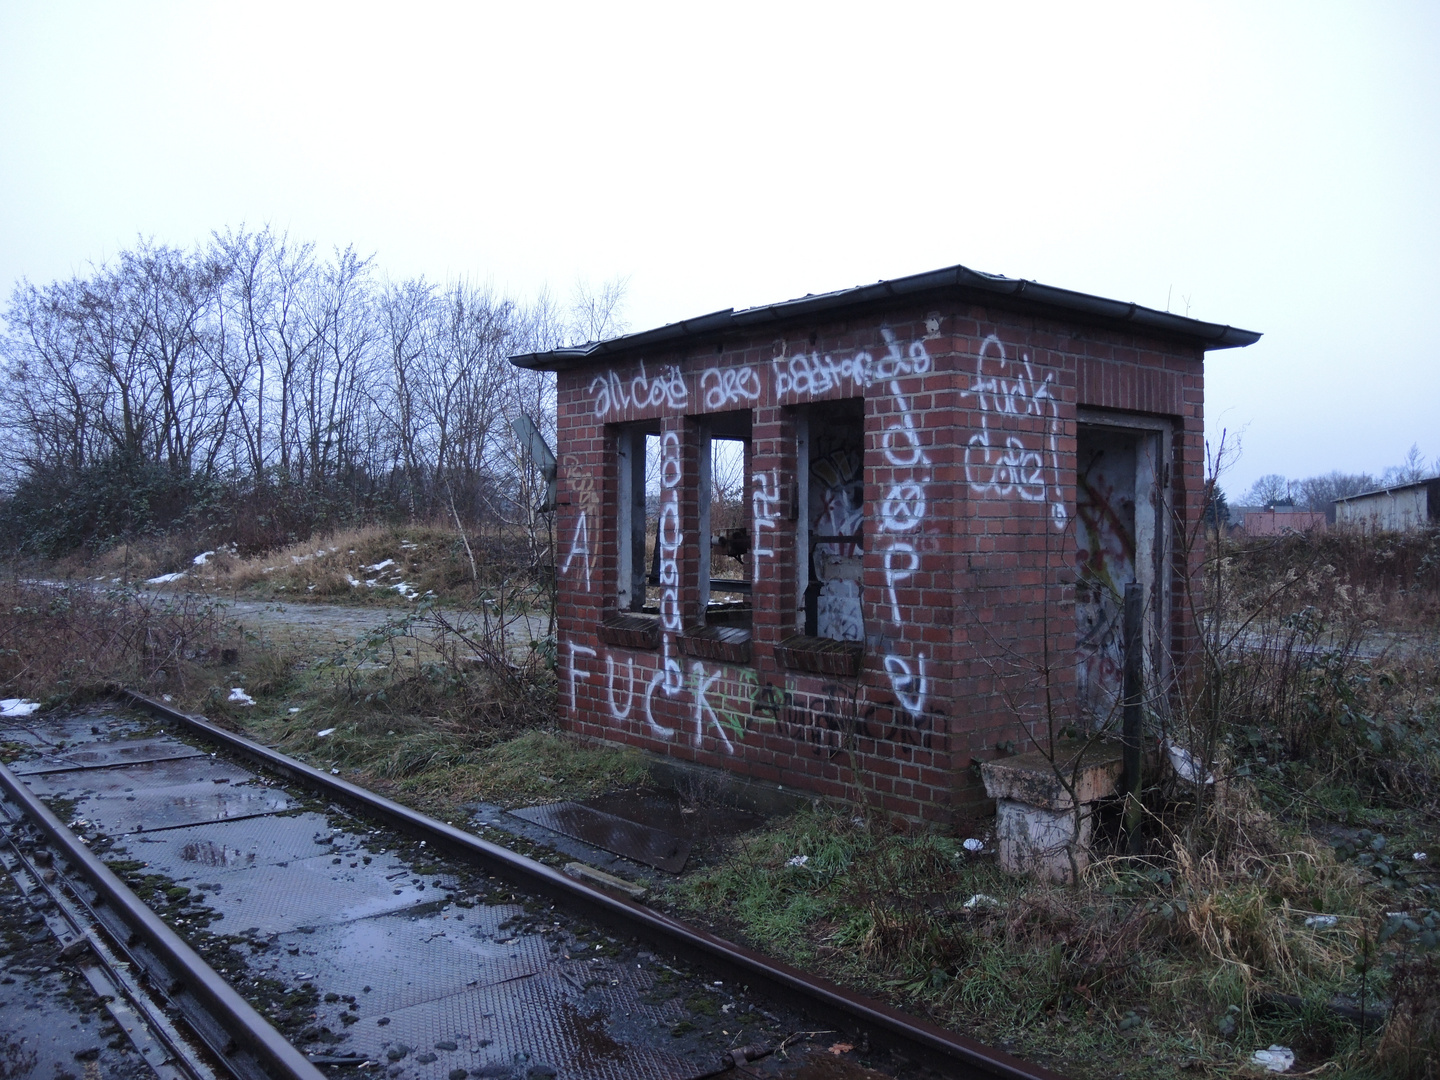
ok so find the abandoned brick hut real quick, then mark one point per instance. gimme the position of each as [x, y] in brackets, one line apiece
[854, 543]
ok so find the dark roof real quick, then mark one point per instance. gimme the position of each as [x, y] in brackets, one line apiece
[1390, 488]
[956, 282]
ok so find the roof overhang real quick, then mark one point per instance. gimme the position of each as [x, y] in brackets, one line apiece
[953, 283]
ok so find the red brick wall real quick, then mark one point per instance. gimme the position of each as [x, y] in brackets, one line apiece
[970, 427]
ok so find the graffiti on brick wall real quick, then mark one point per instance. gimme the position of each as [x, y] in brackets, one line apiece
[729, 387]
[614, 395]
[765, 516]
[727, 703]
[669, 539]
[816, 374]
[587, 509]
[902, 518]
[1005, 457]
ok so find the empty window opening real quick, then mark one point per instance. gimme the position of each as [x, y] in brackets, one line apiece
[638, 517]
[726, 570]
[831, 452]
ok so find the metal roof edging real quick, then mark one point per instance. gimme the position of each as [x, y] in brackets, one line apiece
[961, 278]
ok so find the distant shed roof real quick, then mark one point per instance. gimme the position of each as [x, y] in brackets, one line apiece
[1390, 490]
[955, 282]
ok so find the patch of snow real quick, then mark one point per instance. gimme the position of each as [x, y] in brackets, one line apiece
[407, 590]
[1277, 1059]
[379, 566]
[294, 710]
[165, 579]
[797, 860]
[18, 706]
[327, 731]
[981, 900]
[202, 558]
[270, 569]
[1185, 765]
[406, 545]
[354, 582]
[240, 697]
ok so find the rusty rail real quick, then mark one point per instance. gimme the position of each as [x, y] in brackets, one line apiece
[883, 1025]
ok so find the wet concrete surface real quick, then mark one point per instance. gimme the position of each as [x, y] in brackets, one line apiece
[359, 945]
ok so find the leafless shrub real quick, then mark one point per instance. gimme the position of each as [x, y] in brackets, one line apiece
[76, 640]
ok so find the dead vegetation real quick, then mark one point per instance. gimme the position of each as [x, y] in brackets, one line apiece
[59, 642]
[379, 565]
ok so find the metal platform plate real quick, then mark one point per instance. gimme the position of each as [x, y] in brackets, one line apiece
[408, 959]
[100, 755]
[171, 801]
[545, 1019]
[642, 843]
[75, 783]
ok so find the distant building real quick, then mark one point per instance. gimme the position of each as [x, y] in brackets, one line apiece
[1274, 520]
[1391, 509]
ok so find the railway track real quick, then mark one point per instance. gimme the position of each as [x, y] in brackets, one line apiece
[243, 914]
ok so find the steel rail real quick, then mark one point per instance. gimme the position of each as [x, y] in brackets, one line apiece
[883, 1025]
[249, 1032]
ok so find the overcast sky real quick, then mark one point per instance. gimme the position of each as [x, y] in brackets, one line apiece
[1273, 166]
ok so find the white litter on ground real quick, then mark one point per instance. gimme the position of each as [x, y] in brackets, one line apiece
[1420, 856]
[327, 731]
[1321, 922]
[18, 706]
[240, 697]
[1185, 765]
[294, 710]
[1277, 1059]
[981, 900]
[165, 579]
[202, 558]
[797, 860]
[973, 845]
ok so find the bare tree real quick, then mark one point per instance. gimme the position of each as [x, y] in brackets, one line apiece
[1410, 470]
[1269, 490]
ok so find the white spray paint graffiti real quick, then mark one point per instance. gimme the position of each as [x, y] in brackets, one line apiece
[613, 394]
[1018, 467]
[576, 673]
[670, 678]
[729, 386]
[615, 710]
[704, 711]
[587, 502]
[765, 510]
[902, 513]
[911, 687]
[814, 374]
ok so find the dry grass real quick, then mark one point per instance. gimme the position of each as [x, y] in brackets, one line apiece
[413, 561]
[58, 642]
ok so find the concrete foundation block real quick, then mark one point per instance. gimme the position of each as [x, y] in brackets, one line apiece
[1040, 843]
[1039, 831]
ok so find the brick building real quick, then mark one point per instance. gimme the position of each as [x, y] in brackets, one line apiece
[920, 501]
